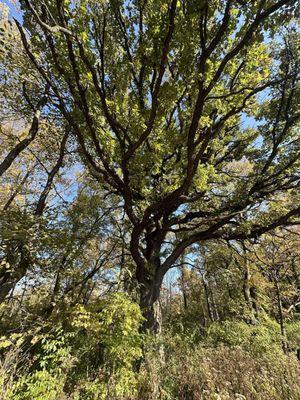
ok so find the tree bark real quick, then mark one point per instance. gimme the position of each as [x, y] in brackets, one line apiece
[149, 281]
[214, 304]
[247, 290]
[183, 288]
[281, 317]
[207, 295]
[149, 303]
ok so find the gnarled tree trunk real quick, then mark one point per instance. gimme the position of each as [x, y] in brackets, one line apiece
[149, 291]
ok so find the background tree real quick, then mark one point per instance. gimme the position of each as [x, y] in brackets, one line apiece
[278, 257]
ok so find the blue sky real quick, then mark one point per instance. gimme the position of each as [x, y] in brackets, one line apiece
[14, 11]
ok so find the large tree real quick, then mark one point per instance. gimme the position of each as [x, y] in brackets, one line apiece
[186, 110]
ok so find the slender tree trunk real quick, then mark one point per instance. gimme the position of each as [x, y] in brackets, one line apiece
[247, 292]
[50, 307]
[214, 304]
[204, 316]
[183, 287]
[246, 286]
[254, 300]
[207, 296]
[281, 317]
[295, 273]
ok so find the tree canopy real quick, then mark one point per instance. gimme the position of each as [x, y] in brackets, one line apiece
[149, 202]
[186, 111]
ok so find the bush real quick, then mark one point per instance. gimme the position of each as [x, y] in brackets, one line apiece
[257, 339]
[91, 357]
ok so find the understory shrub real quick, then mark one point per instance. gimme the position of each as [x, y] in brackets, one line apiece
[101, 355]
[92, 356]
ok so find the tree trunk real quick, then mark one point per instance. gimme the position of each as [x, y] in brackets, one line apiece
[204, 324]
[214, 304]
[183, 288]
[247, 293]
[149, 276]
[246, 287]
[281, 317]
[254, 298]
[207, 296]
[149, 303]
